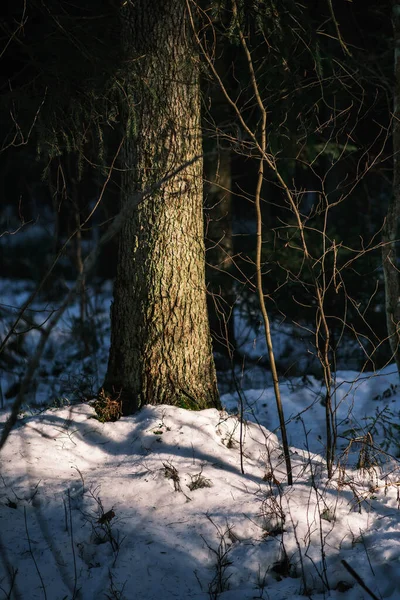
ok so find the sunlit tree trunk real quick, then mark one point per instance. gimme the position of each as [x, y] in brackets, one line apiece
[160, 339]
[391, 227]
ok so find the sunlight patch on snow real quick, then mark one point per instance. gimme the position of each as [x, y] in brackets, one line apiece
[63, 471]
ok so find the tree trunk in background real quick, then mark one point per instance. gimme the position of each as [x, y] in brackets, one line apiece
[219, 244]
[391, 228]
[160, 339]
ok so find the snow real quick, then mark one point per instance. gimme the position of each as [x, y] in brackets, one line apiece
[156, 506]
[65, 369]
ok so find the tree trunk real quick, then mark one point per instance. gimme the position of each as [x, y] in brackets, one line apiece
[391, 227]
[160, 339]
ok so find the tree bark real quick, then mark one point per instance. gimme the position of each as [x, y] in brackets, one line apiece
[391, 226]
[160, 339]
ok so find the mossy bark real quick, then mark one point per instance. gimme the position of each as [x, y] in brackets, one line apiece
[160, 340]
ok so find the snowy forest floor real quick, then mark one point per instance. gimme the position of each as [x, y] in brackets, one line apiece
[156, 505]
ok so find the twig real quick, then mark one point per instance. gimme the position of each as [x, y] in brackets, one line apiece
[12, 573]
[360, 581]
[74, 593]
[33, 556]
[31, 298]
[260, 291]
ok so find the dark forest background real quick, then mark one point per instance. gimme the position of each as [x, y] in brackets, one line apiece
[326, 74]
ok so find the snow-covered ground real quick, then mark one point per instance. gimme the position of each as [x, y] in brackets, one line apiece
[170, 503]
[75, 358]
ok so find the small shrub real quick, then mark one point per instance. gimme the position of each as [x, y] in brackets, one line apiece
[328, 515]
[198, 482]
[107, 408]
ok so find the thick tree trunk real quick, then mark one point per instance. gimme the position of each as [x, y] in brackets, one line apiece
[391, 227]
[160, 340]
